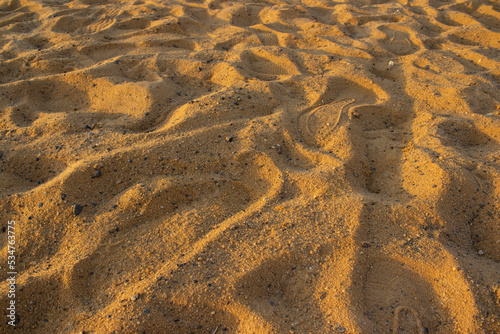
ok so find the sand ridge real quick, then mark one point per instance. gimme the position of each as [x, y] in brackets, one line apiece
[274, 166]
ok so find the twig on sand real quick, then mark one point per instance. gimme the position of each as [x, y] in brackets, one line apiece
[215, 331]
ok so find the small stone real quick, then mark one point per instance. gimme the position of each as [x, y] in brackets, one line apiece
[365, 245]
[427, 67]
[63, 196]
[229, 139]
[480, 252]
[212, 313]
[278, 149]
[355, 114]
[134, 297]
[97, 174]
[40, 205]
[1, 154]
[77, 209]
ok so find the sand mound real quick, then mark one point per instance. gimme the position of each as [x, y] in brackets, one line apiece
[251, 167]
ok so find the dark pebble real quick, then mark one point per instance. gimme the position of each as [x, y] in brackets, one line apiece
[97, 174]
[1, 154]
[77, 209]
[229, 139]
[40, 205]
[63, 197]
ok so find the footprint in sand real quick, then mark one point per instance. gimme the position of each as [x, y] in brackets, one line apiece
[406, 320]
[320, 123]
[397, 41]
[268, 65]
[105, 21]
[390, 289]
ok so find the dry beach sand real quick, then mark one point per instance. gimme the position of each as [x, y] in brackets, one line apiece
[257, 166]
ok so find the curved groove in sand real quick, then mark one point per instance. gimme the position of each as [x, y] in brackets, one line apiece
[332, 111]
[397, 320]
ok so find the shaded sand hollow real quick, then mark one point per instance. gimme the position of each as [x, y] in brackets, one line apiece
[257, 166]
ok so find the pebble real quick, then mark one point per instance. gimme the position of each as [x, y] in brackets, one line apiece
[134, 297]
[1, 154]
[77, 209]
[229, 139]
[97, 174]
[480, 252]
[355, 114]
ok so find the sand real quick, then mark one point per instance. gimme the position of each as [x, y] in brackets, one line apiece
[257, 166]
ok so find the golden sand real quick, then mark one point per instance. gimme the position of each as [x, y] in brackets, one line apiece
[257, 166]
